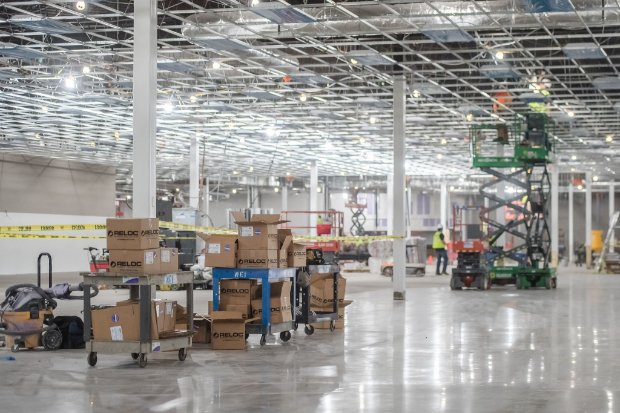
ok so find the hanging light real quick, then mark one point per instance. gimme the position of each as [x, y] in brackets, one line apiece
[303, 97]
[70, 82]
[609, 138]
[86, 70]
[80, 5]
[373, 120]
[499, 55]
[193, 98]
[416, 93]
[168, 106]
[216, 65]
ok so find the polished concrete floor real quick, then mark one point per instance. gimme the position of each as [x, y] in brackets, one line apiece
[501, 350]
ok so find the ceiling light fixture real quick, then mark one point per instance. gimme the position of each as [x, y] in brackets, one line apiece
[168, 106]
[80, 5]
[44, 109]
[570, 113]
[251, 169]
[573, 158]
[443, 141]
[595, 178]
[276, 189]
[609, 138]
[70, 82]
[354, 61]
[373, 120]
[86, 70]
[234, 191]
[469, 117]
[216, 65]
[580, 187]
[439, 156]
[193, 98]
[499, 55]
[303, 97]
[416, 93]
[255, 2]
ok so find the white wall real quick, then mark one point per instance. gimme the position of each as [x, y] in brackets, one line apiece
[19, 256]
[53, 186]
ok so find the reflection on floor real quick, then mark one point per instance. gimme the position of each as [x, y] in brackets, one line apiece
[501, 350]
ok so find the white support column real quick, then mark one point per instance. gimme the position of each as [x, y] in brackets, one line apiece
[284, 197]
[555, 210]
[390, 202]
[612, 209]
[194, 173]
[588, 220]
[571, 223]
[443, 205]
[314, 184]
[144, 108]
[398, 206]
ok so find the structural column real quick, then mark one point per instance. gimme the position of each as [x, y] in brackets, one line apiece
[612, 209]
[390, 202]
[314, 184]
[144, 108]
[443, 205]
[555, 230]
[571, 227]
[194, 173]
[588, 220]
[398, 206]
[284, 197]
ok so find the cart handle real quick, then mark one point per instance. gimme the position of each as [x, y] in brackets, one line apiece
[49, 268]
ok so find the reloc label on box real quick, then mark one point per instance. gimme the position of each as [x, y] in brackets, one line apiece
[257, 258]
[236, 292]
[135, 261]
[132, 234]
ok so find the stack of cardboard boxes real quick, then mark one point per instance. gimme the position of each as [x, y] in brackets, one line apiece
[322, 297]
[134, 247]
[258, 244]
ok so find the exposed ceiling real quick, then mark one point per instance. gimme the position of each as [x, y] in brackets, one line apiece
[272, 86]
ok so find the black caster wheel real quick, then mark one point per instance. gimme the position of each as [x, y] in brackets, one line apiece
[285, 336]
[15, 348]
[295, 326]
[453, 286]
[309, 330]
[142, 360]
[135, 356]
[182, 354]
[92, 359]
[263, 340]
[332, 325]
[51, 339]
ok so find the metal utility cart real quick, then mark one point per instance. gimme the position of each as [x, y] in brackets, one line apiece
[266, 275]
[307, 316]
[140, 286]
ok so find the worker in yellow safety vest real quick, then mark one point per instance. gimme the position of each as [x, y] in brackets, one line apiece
[439, 245]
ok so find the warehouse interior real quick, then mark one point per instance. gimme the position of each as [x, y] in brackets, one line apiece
[358, 128]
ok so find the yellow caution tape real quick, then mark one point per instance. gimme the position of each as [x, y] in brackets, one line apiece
[54, 227]
[196, 228]
[44, 236]
[357, 239]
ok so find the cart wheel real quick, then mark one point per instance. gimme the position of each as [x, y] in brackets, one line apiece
[135, 356]
[309, 330]
[332, 325]
[296, 326]
[554, 283]
[263, 340]
[92, 359]
[182, 354]
[419, 272]
[453, 284]
[142, 360]
[15, 348]
[51, 339]
[388, 272]
[285, 336]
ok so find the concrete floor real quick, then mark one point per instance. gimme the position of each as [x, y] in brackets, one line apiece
[440, 351]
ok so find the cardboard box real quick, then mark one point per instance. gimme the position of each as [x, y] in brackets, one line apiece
[244, 309]
[257, 258]
[202, 330]
[236, 292]
[227, 330]
[279, 303]
[164, 313]
[324, 325]
[181, 315]
[283, 251]
[296, 253]
[209, 307]
[220, 250]
[259, 233]
[132, 234]
[169, 259]
[322, 289]
[121, 323]
[135, 261]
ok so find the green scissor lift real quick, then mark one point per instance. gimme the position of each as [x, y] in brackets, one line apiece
[517, 154]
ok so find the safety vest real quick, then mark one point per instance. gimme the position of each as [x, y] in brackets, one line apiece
[437, 242]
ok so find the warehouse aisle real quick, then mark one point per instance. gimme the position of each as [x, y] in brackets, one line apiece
[498, 351]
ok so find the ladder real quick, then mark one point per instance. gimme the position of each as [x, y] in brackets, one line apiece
[613, 222]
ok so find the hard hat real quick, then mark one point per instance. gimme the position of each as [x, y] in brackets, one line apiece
[440, 227]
